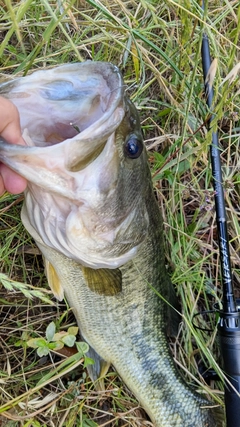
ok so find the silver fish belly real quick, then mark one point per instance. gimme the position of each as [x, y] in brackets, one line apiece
[90, 207]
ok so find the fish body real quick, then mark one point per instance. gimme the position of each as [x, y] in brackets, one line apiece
[91, 209]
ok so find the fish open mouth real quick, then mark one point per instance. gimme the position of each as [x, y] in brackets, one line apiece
[87, 108]
[73, 120]
[75, 106]
[72, 108]
[60, 103]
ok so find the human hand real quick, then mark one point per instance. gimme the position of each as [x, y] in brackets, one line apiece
[10, 130]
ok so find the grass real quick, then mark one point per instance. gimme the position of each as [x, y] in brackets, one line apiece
[157, 46]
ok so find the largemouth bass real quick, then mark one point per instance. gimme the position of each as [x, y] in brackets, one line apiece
[91, 209]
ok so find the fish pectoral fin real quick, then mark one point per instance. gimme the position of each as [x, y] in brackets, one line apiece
[103, 281]
[98, 370]
[53, 280]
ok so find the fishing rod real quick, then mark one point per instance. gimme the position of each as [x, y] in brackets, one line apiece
[229, 314]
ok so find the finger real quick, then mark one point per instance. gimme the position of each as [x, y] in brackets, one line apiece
[13, 182]
[10, 122]
[2, 188]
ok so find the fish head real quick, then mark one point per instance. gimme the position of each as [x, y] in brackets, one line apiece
[85, 162]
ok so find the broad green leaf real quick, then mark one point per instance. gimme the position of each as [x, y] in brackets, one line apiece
[82, 347]
[88, 361]
[50, 331]
[59, 336]
[56, 345]
[37, 342]
[43, 351]
[73, 330]
[69, 340]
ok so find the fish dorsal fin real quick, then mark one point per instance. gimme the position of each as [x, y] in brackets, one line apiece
[103, 281]
[54, 281]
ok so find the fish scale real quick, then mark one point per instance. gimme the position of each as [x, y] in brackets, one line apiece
[111, 269]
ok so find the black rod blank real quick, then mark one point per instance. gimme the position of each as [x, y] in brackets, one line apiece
[229, 304]
[229, 323]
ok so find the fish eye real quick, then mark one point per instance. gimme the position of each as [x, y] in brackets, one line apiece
[133, 147]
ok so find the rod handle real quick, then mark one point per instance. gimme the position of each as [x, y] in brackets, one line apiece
[229, 338]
